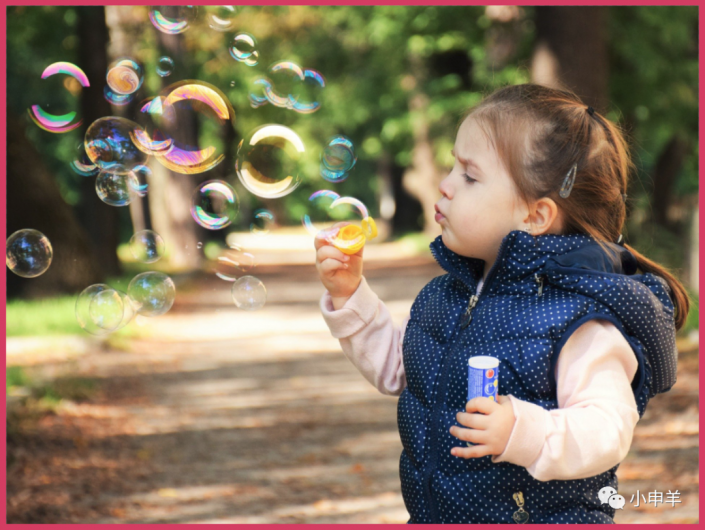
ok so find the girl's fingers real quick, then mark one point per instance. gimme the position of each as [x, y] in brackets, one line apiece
[469, 435]
[473, 421]
[475, 451]
[330, 252]
[330, 265]
[481, 404]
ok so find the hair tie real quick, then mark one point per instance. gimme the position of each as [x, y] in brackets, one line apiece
[590, 111]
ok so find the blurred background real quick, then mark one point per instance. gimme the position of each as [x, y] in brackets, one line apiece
[213, 414]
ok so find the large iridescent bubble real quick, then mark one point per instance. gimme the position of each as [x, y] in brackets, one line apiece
[173, 114]
[28, 253]
[59, 123]
[152, 293]
[268, 161]
[108, 143]
[214, 204]
[172, 19]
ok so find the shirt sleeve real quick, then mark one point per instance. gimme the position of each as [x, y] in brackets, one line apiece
[592, 429]
[369, 338]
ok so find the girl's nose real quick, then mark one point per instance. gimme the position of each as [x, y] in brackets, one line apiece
[445, 188]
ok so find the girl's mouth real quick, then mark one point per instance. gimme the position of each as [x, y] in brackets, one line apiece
[439, 215]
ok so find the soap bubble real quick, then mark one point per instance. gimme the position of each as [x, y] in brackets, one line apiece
[117, 188]
[172, 19]
[337, 159]
[119, 100]
[263, 220]
[59, 123]
[308, 92]
[214, 204]
[140, 184]
[82, 165]
[249, 293]
[329, 214]
[289, 86]
[28, 253]
[244, 49]
[318, 215]
[68, 69]
[165, 66]
[233, 262]
[268, 161]
[124, 76]
[174, 112]
[100, 309]
[108, 143]
[221, 18]
[147, 246]
[106, 309]
[152, 293]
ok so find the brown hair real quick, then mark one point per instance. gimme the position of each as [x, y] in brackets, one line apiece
[539, 133]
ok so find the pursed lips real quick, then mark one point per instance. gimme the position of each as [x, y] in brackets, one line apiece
[439, 214]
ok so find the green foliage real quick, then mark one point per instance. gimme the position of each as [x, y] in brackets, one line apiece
[654, 83]
[375, 59]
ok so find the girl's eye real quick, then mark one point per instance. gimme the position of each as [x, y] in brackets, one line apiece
[468, 178]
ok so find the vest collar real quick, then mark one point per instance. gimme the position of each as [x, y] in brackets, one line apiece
[522, 254]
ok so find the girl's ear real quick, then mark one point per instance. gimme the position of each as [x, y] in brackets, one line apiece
[544, 217]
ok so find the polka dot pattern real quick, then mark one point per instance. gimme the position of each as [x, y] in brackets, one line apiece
[525, 332]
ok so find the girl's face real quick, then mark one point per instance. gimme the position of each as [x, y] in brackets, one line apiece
[479, 205]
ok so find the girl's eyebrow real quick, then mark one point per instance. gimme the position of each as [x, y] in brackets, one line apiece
[468, 162]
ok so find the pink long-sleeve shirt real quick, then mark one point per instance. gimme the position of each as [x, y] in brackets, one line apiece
[588, 434]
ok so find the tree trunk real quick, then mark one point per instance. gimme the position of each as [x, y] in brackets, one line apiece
[170, 198]
[571, 51]
[100, 220]
[34, 201]
[665, 172]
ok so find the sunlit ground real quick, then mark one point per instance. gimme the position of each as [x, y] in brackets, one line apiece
[209, 414]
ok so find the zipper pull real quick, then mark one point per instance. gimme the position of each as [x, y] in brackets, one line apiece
[539, 280]
[467, 316]
[520, 516]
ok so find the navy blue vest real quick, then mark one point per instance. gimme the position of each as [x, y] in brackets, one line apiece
[540, 290]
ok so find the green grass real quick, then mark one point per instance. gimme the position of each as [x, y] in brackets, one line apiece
[50, 316]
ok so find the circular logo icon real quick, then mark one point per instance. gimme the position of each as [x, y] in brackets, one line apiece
[489, 373]
[489, 388]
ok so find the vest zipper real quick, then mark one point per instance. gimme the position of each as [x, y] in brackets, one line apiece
[521, 515]
[467, 316]
[539, 280]
[428, 472]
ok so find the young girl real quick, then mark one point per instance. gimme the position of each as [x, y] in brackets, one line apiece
[538, 277]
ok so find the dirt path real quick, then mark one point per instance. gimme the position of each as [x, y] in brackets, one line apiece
[228, 416]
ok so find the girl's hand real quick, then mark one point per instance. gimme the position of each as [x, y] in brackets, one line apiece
[340, 274]
[490, 429]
